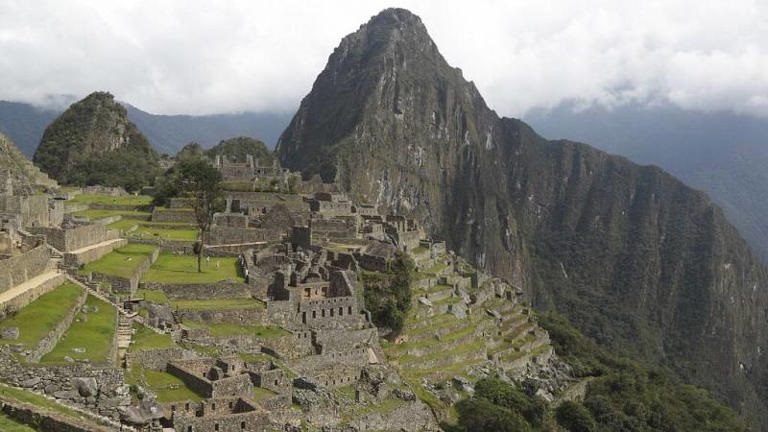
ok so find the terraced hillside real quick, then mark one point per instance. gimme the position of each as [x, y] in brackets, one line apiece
[457, 332]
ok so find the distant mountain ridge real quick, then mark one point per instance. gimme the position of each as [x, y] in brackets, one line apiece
[24, 125]
[721, 153]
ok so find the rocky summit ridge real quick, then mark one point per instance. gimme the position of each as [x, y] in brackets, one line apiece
[636, 259]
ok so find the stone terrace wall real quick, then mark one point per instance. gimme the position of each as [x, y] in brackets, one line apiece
[46, 420]
[31, 295]
[220, 235]
[65, 383]
[157, 359]
[67, 240]
[130, 284]
[19, 269]
[75, 260]
[173, 215]
[238, 385]
[49, 341]
[249, 316]
[201, 291]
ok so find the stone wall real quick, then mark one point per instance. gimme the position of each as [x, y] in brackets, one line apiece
[19, 269]
[253, 421]
[49, 341]
[173, 215]
[238, 385]
[197, 384]
[157, 359]
[46, 420]
[70, 239]
[127, 285]
[201, 291]
[246, 316]
[98, 389]
[84, 257]
[33, 210]
[221, 235]
[27, 297]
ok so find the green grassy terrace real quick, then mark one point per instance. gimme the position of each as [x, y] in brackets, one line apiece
[128, 200]
[260, 331]
[94, 214]
[144, 339]
[9, 425]
[218, 304]
[120, 262]
[182, 269]
[167, 387]
[42, 315]
[93, 331]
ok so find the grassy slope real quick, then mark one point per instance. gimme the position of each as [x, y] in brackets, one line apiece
[93, 331]
[183, 270]
[121, 262]
[40, 316]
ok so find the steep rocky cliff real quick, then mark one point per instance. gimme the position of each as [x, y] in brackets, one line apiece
[632, 256]
[93, 142]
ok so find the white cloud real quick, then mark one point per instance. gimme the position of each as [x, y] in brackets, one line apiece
[188, 56]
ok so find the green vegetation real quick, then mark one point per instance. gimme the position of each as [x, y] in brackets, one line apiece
[218, 304]
[40, 402]
[388, 295]
[239, 147]
[260, 394]
[42, 315]
[182, 269]
[7, 424]
[127, 200]
[265, 332]
[153, 296]
[121, 262]
[145, 338]
[94, 331]
[94, 214]
[78, 148]
[628, 395]
[167, 387]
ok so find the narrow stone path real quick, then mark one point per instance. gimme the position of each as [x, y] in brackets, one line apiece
[95, 246]
[22, 288]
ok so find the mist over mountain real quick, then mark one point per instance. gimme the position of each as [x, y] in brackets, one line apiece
[24, 125]
[721, 153]
[636, 259]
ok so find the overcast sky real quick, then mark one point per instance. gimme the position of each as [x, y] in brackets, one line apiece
[195, 57]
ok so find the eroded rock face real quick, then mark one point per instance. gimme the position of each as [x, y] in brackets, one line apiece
[631, 255]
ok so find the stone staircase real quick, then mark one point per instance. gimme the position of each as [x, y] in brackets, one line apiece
[124, 337]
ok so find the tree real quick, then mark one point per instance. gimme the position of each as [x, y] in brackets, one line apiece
[199, 180]
[574, 417]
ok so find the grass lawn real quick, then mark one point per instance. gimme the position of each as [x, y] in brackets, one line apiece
[93, 331]
[153, 296]
[167, 387]
[9, 425]
[132, 200]
[218, 304]
[101, 214]
[120, 262]
[148, 232]
[123, 224]
[182, 269]
[40, 316]
[145, 338]
[236, 329]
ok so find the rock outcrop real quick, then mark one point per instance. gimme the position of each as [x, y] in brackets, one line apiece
[23, 176]
[631, 255]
